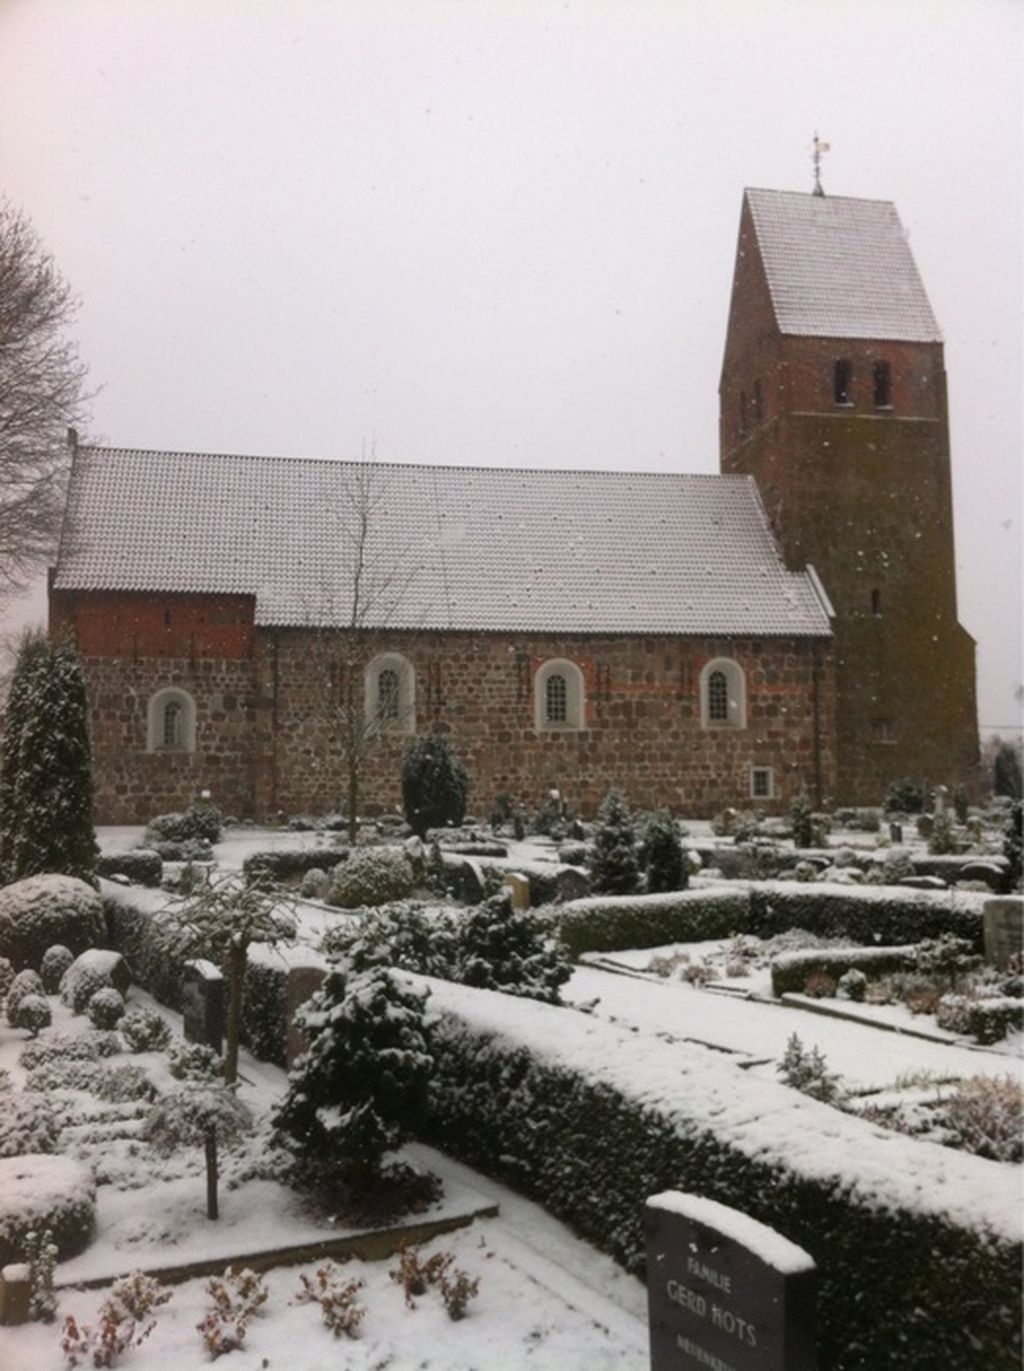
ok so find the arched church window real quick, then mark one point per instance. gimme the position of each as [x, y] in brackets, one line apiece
[842, 379]
[558, 696]
[171, 721]
[882, 377]
[390, 691]
[723, 694]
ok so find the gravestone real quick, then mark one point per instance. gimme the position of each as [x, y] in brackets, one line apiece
[724, 1291]
[203, 1004]
[519, 888]
[941, 797]
[1003, 924]
[471, 887]
[302, 983]
[895, 832]
[571, 884]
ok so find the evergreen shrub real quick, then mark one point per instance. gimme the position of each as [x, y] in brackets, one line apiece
[105, 1008]
[25, 983]
[287, 866]
[143, 866]
[661, 854]
[790, 970]
[32, 1014]
[56, 960]
[38, 1192]
[371, 876]
[434, 785]
[144, 1030]
[42, 910]
[614, 866]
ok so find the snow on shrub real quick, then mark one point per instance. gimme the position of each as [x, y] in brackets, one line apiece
[289, 864]
[121, 1323]
[143, 866]
[207, 1116]
[144, 1030]
[235, 1300]
[790, 970]
[370, 876]
[105, 1008]
[42, 910]
[123, 1084]
[32, 1014]
[38, 1191]
[194, 1062]
[85, 1046]
[523, 1091]
[198, 821]
[985, 1114]
[501, 948]
[25, 983]
[93, 970]
[27, 1124]
[56, 960]
[6, 976]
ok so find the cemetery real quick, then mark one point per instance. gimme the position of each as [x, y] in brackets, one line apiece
[518, 1091]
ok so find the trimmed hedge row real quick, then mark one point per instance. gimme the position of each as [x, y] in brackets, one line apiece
[290, 864]
[864, 914]
[791, 969]
[142, 866]
[907, 1288]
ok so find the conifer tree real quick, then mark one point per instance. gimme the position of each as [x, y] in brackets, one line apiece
[614, 868]
[46, 791]
[663, 854]
[434, 785]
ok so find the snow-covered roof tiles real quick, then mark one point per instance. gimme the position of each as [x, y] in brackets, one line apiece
[840, 268]
[447, 547]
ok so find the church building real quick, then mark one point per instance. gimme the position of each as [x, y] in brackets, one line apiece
[247, 625]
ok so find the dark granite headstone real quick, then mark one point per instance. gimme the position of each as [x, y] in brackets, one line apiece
[725, 1292]
[203, 1004]
[471, 887]
[571, 884]
[895, 832]
[303, 982]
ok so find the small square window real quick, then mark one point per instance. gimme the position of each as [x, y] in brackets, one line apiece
[761, 783]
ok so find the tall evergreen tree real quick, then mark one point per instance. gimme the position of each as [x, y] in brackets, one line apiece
[46, 790]
[614, 866]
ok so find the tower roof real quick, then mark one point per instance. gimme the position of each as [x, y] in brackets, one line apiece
[446, 547]
[840, 268]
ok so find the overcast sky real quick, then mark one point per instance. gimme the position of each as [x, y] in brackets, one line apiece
[501, 232]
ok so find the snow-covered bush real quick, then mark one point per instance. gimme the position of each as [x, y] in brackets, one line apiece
[371, 876]
[56, 960]
[122, 1084]
[202, 821]
[105, 1008]
[27, 1124]
[32, 1014]
[121, 1323]
[792, 970]
[985, 1114]
[265, 1011]
[314, 883]
[402, 935]
[361, 1088]
[144, 1030]
[194, 1062]
[434, 786]
[79, 985]
[42, 910]
[39, 1191]
[807, 1072]
[85, 1046]
[142, 866]
[336, 1296]
[288, 865]
[614, 867]
[6, 976]
[897, 865]
[63, 1073]
[852, 985]
[40, 1256]
[25, 983]
[235, 1299]
[501, 948]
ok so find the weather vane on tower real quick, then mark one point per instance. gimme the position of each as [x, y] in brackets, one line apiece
[819, 148]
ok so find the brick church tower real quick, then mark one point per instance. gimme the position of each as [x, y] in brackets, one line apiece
[833, 395]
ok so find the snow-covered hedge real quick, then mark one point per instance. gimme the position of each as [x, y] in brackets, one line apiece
[290, 864]
[863, 914]
[918, 1246]
[42, 910]
[39, 1192]
[27, 1124]
[264, 1011]
[142, 865]
[791, 969]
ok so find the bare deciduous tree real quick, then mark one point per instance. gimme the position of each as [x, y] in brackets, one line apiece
[41, 395]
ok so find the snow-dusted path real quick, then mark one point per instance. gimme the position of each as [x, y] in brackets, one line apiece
[865, 1057]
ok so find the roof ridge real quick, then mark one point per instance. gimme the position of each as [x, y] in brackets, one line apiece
[398, 466]
[810, 195]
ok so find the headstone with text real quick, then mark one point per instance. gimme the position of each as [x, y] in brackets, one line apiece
[203, 1004]
[725, 1292]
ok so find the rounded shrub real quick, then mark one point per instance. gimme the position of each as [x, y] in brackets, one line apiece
[32, 1014]
[6, 977]
[371, 876]
[105, 1008]
[56, 960]
[77, 987]
[25, 983]
[40, 1192]
[434, 785]
[143, 1030]
[27, 1124]
[42, 910]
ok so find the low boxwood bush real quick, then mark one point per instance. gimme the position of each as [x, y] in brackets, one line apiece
[370, 876]
[143, 1030]
[918, 1251]
[27, 1124]
[865, 915]
[142, 866]
[287, 865]
[56, 960]
[990, 1020]
[790, 970]
[40, 1192]
[76, 1047]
